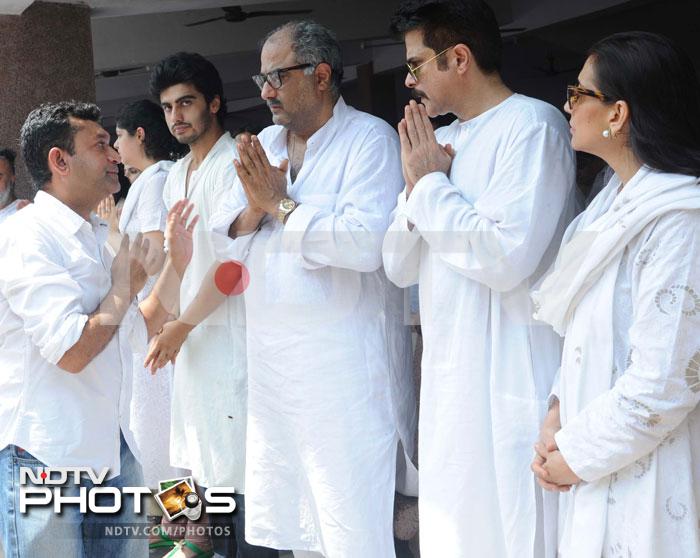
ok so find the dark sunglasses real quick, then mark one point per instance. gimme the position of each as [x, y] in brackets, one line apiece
[574, 93]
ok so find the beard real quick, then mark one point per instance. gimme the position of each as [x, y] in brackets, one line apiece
[203, 123]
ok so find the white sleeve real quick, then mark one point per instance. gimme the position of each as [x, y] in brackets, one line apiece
[500, 239]
[661, 384]
[230, 204]
[151, 207]
[401, 248]
[41, 291]
[350, 235]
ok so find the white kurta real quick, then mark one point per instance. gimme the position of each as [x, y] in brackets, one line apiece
[144, 212]
[482, 235]
[209, 390]
[328, 358]
[639, 440]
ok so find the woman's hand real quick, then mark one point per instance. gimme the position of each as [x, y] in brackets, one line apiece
[107, 210]
[178, 235]
[166, 345]
[545, 448]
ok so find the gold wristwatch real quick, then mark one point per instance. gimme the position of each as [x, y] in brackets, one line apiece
[285, 207]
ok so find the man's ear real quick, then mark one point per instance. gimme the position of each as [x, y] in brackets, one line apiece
[462, 55]
[141, 133]
[58, 162]
[323, 75]
[215, 105]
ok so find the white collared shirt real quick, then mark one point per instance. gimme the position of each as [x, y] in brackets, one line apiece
[55, 271]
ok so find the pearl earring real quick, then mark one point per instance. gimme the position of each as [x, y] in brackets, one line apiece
[606, 134]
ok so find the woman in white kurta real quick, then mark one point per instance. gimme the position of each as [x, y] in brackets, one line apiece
[144, 142]
[625, 291]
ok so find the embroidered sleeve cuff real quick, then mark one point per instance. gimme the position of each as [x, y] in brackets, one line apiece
[579, 460]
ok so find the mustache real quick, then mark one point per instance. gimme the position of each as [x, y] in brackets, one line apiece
[274, 103]
[417, 94]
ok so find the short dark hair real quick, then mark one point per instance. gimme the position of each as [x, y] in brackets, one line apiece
[193, 68]
[49, 126]
[663, 126]
[446, 23]
[314, 43]
[9, 155]
[159, 145]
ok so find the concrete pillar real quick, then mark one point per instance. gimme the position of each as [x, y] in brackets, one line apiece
[45, 55]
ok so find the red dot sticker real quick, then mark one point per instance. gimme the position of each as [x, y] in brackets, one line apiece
[232, 278]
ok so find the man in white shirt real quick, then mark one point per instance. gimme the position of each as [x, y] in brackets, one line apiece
[486, 201]
[328, 362]
[210, 381]
[9, 204]
[62, 300]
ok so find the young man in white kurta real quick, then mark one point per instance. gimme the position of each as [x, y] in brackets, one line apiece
[209, 388]
[474, 232]
[327, 355]
[210, 380]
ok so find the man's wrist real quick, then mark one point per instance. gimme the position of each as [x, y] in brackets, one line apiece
[285, 208]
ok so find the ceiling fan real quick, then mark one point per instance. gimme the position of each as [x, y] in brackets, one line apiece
[235, 14]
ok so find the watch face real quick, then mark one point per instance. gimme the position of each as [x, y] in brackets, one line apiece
[287, 204]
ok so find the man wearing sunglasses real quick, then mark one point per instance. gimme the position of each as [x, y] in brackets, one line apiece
[328, 361]
[485, 201]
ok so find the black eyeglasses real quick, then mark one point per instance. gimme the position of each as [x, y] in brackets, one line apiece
[274, 78]
[574, 92]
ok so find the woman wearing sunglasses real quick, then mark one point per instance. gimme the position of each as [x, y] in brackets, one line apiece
[622, 438]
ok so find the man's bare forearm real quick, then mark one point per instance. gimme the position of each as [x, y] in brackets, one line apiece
[98, 331]
[247, 222]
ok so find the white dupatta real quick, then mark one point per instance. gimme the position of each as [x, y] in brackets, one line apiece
[576, 298]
